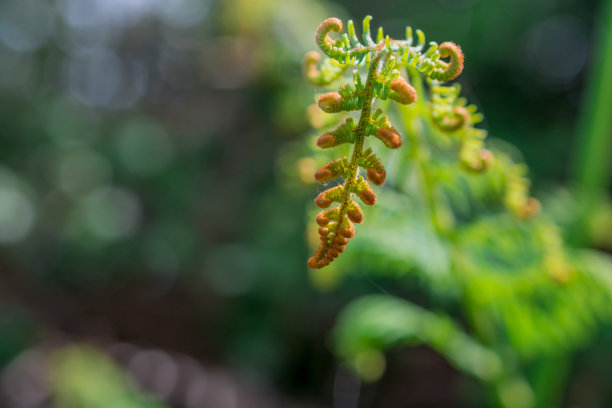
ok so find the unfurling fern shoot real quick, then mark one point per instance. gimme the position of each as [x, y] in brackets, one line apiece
[382, 58]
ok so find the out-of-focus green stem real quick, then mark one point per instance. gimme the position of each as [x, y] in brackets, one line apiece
[592, 165]
[549, 378]
[419, 152]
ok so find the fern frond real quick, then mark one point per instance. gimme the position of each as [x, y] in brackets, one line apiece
[451, 114]
[384, 81]
[449, 110]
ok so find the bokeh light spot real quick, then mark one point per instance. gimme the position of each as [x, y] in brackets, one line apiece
[112, 212]
[80, 170]
[17, 209]
[144, 147]
[557, 50]
[182, 13]
[25, 24]
[370, 364]
[94, 76]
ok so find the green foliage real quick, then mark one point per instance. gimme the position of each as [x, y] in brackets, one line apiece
[376, 322]
[512, 299]
[85, 377]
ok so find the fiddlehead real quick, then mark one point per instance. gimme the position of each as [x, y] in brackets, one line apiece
[384, 81]
[452, 68]
[451, 114]
[327, 45]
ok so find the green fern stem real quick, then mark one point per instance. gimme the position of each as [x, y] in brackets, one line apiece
[419, 153]
[364, 119]
[357, 154]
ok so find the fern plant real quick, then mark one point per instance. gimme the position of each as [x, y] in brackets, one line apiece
[452, 212]
[382, 60]
[384, 81]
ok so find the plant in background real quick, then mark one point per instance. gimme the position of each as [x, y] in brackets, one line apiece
[453, 213]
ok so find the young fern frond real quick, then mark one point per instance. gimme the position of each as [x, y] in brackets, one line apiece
[451, 114]
[384, 81]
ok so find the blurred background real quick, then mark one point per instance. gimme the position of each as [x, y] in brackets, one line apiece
[151, 252]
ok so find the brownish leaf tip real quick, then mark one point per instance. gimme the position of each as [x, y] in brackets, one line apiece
[368, 196]
[377, 176]
[326, 140]
[355, 214]
[530, 208]
[329, 102]
[389, 137]
[323, 174]
[322, 201]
